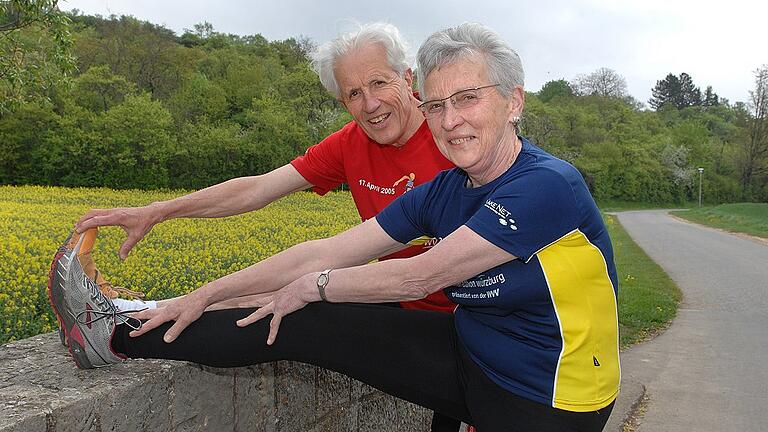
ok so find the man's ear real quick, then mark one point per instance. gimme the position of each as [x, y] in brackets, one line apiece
[408, 75]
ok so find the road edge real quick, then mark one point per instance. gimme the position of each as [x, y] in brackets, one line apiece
[627, 403]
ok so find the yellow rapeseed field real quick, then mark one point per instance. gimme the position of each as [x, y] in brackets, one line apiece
[176, 257]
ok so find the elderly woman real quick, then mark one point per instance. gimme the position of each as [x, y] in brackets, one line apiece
[523, 251]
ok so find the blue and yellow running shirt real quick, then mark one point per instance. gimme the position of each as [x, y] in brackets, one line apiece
[543, 326]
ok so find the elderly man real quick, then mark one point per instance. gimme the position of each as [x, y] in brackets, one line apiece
[388, 139]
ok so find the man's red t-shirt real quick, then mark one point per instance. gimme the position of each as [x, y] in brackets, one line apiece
[376, 175]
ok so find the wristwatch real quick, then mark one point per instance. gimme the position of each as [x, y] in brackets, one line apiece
[322, 281]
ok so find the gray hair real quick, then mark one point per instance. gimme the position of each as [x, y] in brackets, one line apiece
[384, 34]
[458, 43]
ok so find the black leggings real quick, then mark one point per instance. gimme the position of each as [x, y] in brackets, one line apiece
[413, 355]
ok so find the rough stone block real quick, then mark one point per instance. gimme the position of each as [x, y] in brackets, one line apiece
[412, 417]
[342, 418]
[377, 412]
[295, 385]
[334, 390]
[42, 390]
[202, 399]
[255, 406]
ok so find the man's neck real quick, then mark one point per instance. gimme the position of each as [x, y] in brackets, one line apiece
[415, 119]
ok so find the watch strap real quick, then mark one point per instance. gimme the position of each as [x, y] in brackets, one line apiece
[321, 285]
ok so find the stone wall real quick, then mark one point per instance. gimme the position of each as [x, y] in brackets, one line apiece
[42, 390]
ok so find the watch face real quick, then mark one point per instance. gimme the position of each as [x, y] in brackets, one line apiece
[322, 279]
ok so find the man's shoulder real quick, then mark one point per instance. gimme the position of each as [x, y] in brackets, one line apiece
[351, 134]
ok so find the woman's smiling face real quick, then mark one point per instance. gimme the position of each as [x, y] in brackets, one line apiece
[477, 138]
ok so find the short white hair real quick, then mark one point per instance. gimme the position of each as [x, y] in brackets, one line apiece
[384, 34]
[467, 40]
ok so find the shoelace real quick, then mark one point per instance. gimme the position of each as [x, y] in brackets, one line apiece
[106, 309]
[114, 313]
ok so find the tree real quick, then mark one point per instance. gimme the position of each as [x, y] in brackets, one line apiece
[689, 93]
[99, 90]
[537, 124]
[626, 171]
[293, 52]
[753, 158]
[209, 154]
[276, 133]
[310, 101]
[711, 99]
[22, 137]
[679, 92]
[197, 100]
[135, 145]
[198, 36]
[144, 53]
[34, 50]
[675, 159]
[666, 91]
[553, 89]
[203, 30]
[243, 77]
[602, 82]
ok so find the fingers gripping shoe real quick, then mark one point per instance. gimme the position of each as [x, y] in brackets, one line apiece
[87, 316]
[87, 240]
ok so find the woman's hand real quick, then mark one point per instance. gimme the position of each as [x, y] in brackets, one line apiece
[290, 298]
[249, 301]
[183, 310]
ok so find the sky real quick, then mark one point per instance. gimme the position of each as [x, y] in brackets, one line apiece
[717, 43]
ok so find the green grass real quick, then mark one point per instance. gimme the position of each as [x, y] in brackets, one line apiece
[648, 298]
[617, 206]
[749, 218]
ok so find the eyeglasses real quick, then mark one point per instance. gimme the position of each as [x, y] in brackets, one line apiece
[460, 100]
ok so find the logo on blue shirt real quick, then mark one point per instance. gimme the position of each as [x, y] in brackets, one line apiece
[504, 214]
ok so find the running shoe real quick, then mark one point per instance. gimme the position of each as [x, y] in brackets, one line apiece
[87, 316]
[89, 267]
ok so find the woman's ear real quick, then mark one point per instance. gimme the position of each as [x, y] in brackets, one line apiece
[516, 103]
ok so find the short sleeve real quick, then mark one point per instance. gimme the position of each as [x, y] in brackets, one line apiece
[323, 163]
[528, 213]
[404, 218]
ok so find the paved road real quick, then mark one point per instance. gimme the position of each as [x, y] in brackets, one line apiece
[709, 371]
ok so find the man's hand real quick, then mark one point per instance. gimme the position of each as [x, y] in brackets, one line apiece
[135, 221]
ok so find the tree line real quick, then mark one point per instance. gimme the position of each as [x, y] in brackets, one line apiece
[626, 152]
[123, 103]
